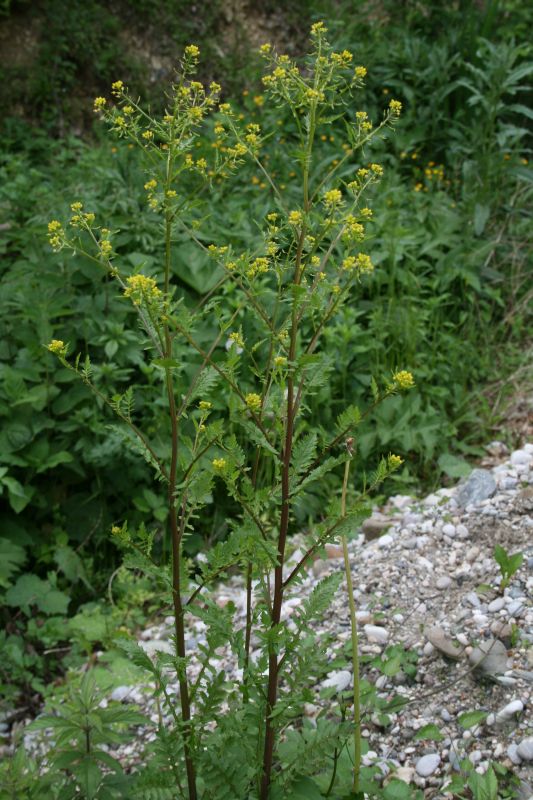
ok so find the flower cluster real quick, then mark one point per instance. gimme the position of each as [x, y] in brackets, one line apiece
[253, 401]
[219, 464]
[403, 380]
[360, 263]
[393, 462]
[142, 288]
[58, 348]
[56, 235]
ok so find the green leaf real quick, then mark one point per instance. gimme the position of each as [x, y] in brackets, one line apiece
[397, 790]
[471, 718]
[304, 789]
[429, 731]
[481, 216]
[453, 466]
[30, 590]
[12, 556]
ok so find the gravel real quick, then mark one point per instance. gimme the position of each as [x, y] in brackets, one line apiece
[425, 579]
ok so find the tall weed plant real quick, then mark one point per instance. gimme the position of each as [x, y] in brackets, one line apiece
[237, 418]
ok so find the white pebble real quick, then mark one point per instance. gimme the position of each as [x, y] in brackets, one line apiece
[427, 765]
[374, 633]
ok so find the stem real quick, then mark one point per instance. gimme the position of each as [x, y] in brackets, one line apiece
[355, 644]
[174, 529]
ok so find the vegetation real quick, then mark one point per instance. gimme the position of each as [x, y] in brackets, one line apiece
[265, 375]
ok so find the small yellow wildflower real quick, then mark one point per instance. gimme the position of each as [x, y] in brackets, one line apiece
[395, 108]
[116, 88]
[332, 198]
[192, 51]
[259, 100]
[54, 226]
[99, 103]
[89, 218]
[219, 464]
[148, 135]
[141, 287]
[377, 169]
[318, 28]
[280, 361]
[272, 217]
[237, 339]
[128, 110]
[295, 217]
[366, 212]
[171, 193]
[150, 185]
[360, 72]
[265, 49]
[76, 206]
[394, 462]
[362, 173]
[253, 401]
[205, 405]
[58, 347]
[403, 379]
[106, 248]
[116, 530]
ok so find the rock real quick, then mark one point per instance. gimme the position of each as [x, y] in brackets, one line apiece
[490, 658]
[506, 714]
[496, 605]
[513, 755]
[520, 457]
[515, 608]
[157, 646]
[334, 551]
[525, 749]
[386, 540]
[525, 791]
[479, 486]
[405, 774]
[375, 633]
[443, 643]
[122, 693]
[373, 526]
[502, 631]
[462, 532]
[338, 680]
[444, 582]
[449, 530]
[427, 765]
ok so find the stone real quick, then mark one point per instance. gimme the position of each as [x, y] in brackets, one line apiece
[525, 749]
[443, 643]
[516, 608]
[449, 530]
[405, 774]
[506, 714]
[375, 633]
[513, 755]
[520, 457]
[386, 540]
[375, 525]
[338, 680]
[480, 485]
[496, 605]
[489, 658]
[462, 532]
[334, 551]
[122, 693]
[444, 582]
[502, 631]
[427, 765]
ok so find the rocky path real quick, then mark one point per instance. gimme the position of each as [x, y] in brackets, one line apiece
[418, 569]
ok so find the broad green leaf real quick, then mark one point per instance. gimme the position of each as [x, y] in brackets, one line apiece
[471, 718]
[430, 731]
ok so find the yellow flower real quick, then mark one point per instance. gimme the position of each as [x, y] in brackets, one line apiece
[54, 226]
[377, 169]
[106, 248]
[366, 212]
[259, 100]
[362, 173]
[318, 28]
[265, 49]
[219, 464]
[150, 185]
[215, 87]
[171, 193]
[128, 110]
[148, 135]
[332, 198]
[192, 51]
[280, 361]
[205, 405]
[272, 217]
[89, 218]
[393, 461]
[76, 206]
[403, 379]
[116, 88]
[99, 103]
[295, 217]
[57, 347]
[253, 401]
[236, 338]
[395, 108]
[360, 263]
[141, 287]
[360, 72]
[116, 530]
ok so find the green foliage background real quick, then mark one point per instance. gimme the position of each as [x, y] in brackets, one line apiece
[448, 299]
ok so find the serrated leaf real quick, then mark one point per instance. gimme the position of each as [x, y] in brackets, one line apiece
[430, 731]
[471, 718]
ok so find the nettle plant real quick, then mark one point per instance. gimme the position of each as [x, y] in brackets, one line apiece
[238, 416]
